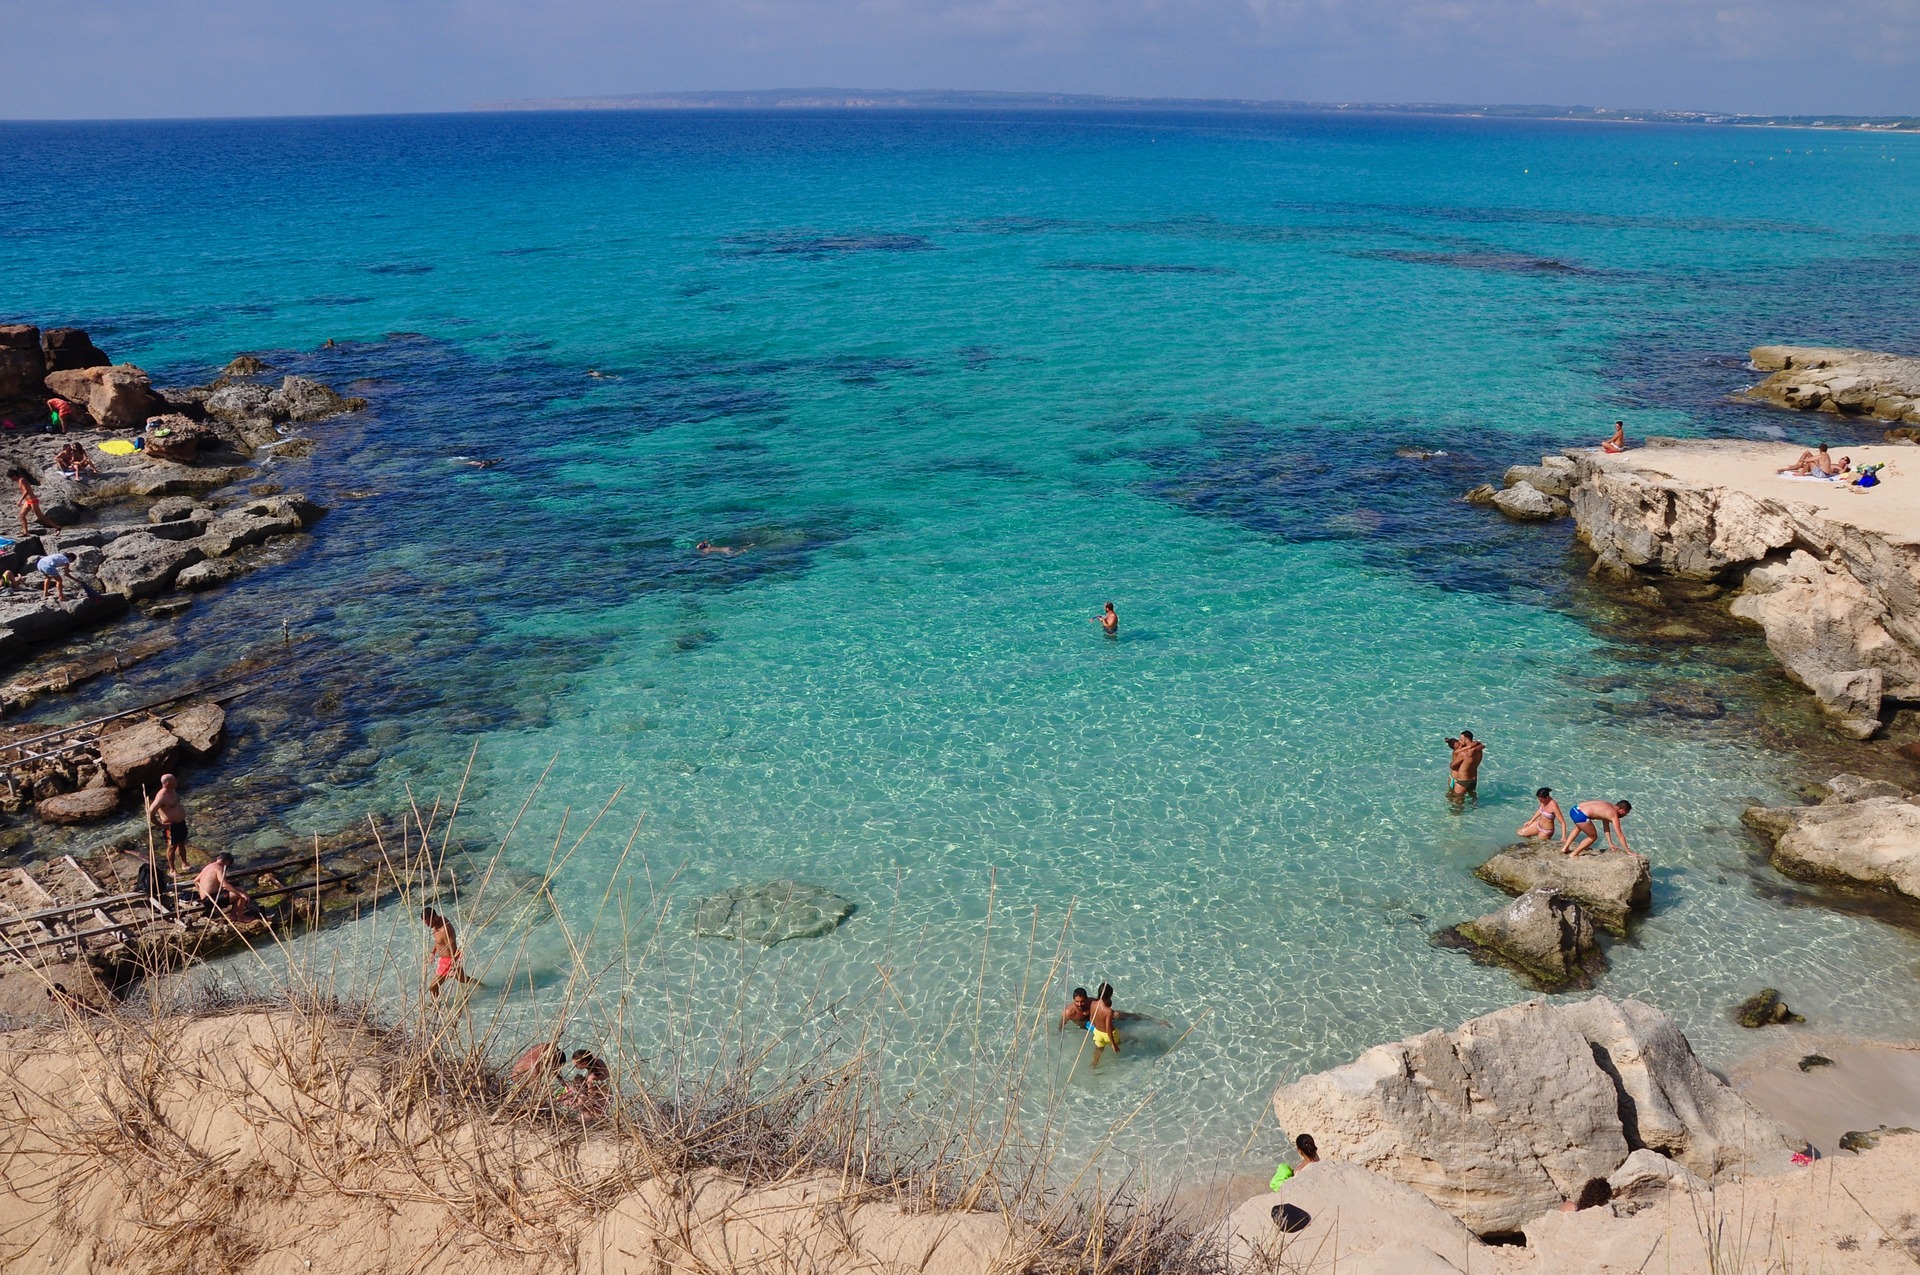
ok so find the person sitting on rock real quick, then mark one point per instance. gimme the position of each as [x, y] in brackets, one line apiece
[1618, 443]
[1545, 823]
[1585, 820]
[72, 462]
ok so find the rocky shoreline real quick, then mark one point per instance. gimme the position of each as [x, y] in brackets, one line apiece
[180, 502]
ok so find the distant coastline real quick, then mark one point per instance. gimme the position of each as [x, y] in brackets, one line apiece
[937, 100]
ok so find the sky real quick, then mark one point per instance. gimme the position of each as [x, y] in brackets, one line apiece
[94, 59]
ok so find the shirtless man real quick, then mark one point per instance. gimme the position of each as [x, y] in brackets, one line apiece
[1585, 820]
[539, 1061]
[216, 889]
[1109, 621]
[1464, 769]
[1104, 1023]
[1075, 1014]
[446, 952]
[725, 551]
[166, 808]
[1818, 463]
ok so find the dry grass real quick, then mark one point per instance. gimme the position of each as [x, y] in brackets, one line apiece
[368, 1107]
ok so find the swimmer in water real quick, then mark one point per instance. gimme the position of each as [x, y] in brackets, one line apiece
[707, 546]
[1077, 1010]
[1109, 621]
[481, 462]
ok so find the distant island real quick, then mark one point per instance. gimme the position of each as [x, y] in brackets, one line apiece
[936, 100]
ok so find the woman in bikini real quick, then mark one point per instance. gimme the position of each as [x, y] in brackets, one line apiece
[29, 501]
[1618, 443]
[1546, 821]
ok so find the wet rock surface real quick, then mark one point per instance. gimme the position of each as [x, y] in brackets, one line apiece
[770, 913]
[1871, 841]
[1612, 886]
[1834, 379]
[1544, 937]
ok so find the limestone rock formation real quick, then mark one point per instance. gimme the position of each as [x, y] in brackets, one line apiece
[66, 349]
[138, 754]
[1546, 937]
[142, 564]
[302, 399]
[1554, 476]
[1854, 382]
[116, 397]
[1528, 503]
[22, 364]
[770, 913]
[1511, 1113]
[88, 805]
[239, 402]
[1765, 1009]
[1611, 885]
[1872, 840]
[210, 574]
[201, 727]
[1838, 603]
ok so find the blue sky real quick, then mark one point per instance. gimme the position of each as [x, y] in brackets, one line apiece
[127, 58]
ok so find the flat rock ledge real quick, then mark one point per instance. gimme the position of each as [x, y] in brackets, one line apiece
[1867, 833]
[1831, 573]
[1829, 379]
[1500, 1120]
[770, 913]
[1545, 938]
[1611, 886]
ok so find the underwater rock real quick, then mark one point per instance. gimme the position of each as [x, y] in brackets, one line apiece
[770, 913]
[1765, 1009]
[1812, 1061]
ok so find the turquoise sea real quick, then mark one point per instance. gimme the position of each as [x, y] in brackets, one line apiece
[953, 381]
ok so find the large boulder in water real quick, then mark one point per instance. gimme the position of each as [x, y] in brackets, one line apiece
[770, 913]
[1610, 884]
[1873, 841]
[70, 348]
[1502, 1119]
[1544, 936]
[302, 399]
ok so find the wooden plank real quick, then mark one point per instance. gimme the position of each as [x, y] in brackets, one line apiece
[321, 884]
[93, 887]
[33, 887]
[67, 909]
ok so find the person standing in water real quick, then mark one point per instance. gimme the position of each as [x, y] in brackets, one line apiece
[446, 952]
[1463, 769]
[1077, 1010]
[1109, 621]
[1104, 1023]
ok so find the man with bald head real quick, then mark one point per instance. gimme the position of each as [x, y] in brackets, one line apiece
[172, 816]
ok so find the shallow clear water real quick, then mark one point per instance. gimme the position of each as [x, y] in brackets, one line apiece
[957, 380]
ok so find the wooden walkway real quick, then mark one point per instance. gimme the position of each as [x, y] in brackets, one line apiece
[59, 912]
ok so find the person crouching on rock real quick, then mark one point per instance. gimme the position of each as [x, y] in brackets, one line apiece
[1585, 821]
[1545, 824]
[220, 893]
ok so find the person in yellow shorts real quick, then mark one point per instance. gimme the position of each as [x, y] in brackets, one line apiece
[1103, 1023]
